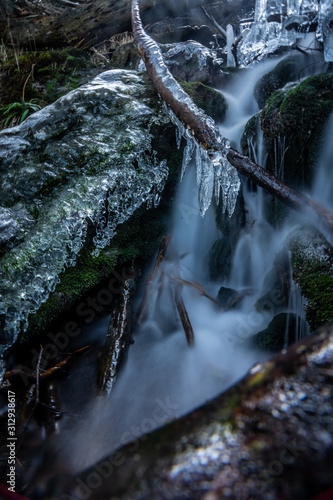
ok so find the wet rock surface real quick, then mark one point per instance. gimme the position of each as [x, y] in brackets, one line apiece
[191, 61]
[280, 332]
[312, 264]
[78, 168]
[270, 436]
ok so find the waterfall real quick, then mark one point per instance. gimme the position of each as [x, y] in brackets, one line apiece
[323, 183]
[162, 371]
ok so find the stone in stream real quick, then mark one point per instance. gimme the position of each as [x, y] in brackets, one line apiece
[280, 332]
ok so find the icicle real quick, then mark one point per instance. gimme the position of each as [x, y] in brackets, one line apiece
[206, 184]
[198, 163]
[187, 156]
[230, 42]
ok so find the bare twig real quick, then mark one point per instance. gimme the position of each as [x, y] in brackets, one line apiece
[184, 317]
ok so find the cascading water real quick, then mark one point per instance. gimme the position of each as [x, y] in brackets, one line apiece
[164, 377]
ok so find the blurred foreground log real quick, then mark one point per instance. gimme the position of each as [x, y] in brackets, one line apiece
[269, 436]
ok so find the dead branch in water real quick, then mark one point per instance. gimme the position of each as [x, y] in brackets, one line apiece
[143, 309]
[117, 339]
[184, 317]
[195, 285]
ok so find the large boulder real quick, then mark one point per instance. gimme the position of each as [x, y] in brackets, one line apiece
[191, 61]
[296, 117]
[70, 174]
[312, 265]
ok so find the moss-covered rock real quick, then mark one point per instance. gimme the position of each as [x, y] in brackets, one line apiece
[280, 333]
[297, 117]
[210, 100]
[312, 265]
[284, 72]
[79, 168]
[250, 134]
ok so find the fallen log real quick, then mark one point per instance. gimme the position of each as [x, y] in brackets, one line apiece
[203, 128]
[84, 25]
[197, 287]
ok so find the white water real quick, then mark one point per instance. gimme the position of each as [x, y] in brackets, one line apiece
[323, 184]
[163, 377]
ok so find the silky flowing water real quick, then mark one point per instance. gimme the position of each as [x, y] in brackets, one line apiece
[163, 377]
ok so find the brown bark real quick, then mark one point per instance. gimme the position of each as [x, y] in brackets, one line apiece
[193, 118]
[183, 315]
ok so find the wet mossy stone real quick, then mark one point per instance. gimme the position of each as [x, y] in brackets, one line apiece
[293, 121]
[250, 134]
[284, 72]
[276, 286]
[210, 100]
[280, 333]
[226, 297]
[312, 265]
[125, 56]
[79, 168]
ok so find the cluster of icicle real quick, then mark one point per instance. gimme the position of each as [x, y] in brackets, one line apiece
[266, 36]
[104, 202]
[216, 177]
[100, 198]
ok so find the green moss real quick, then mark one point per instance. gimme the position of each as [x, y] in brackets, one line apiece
[52, 74]
[210, 100]
[76, 281]
[298, 116]
[312, 264]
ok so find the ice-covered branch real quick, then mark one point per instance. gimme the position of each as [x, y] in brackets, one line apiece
[213, 155]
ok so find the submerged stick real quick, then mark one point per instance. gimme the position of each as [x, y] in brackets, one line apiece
[203, 128]
[197, 286]
[143, 309]
[118, 338]
[184, 317]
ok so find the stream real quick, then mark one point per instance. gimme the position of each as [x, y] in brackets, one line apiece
[163, 378]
